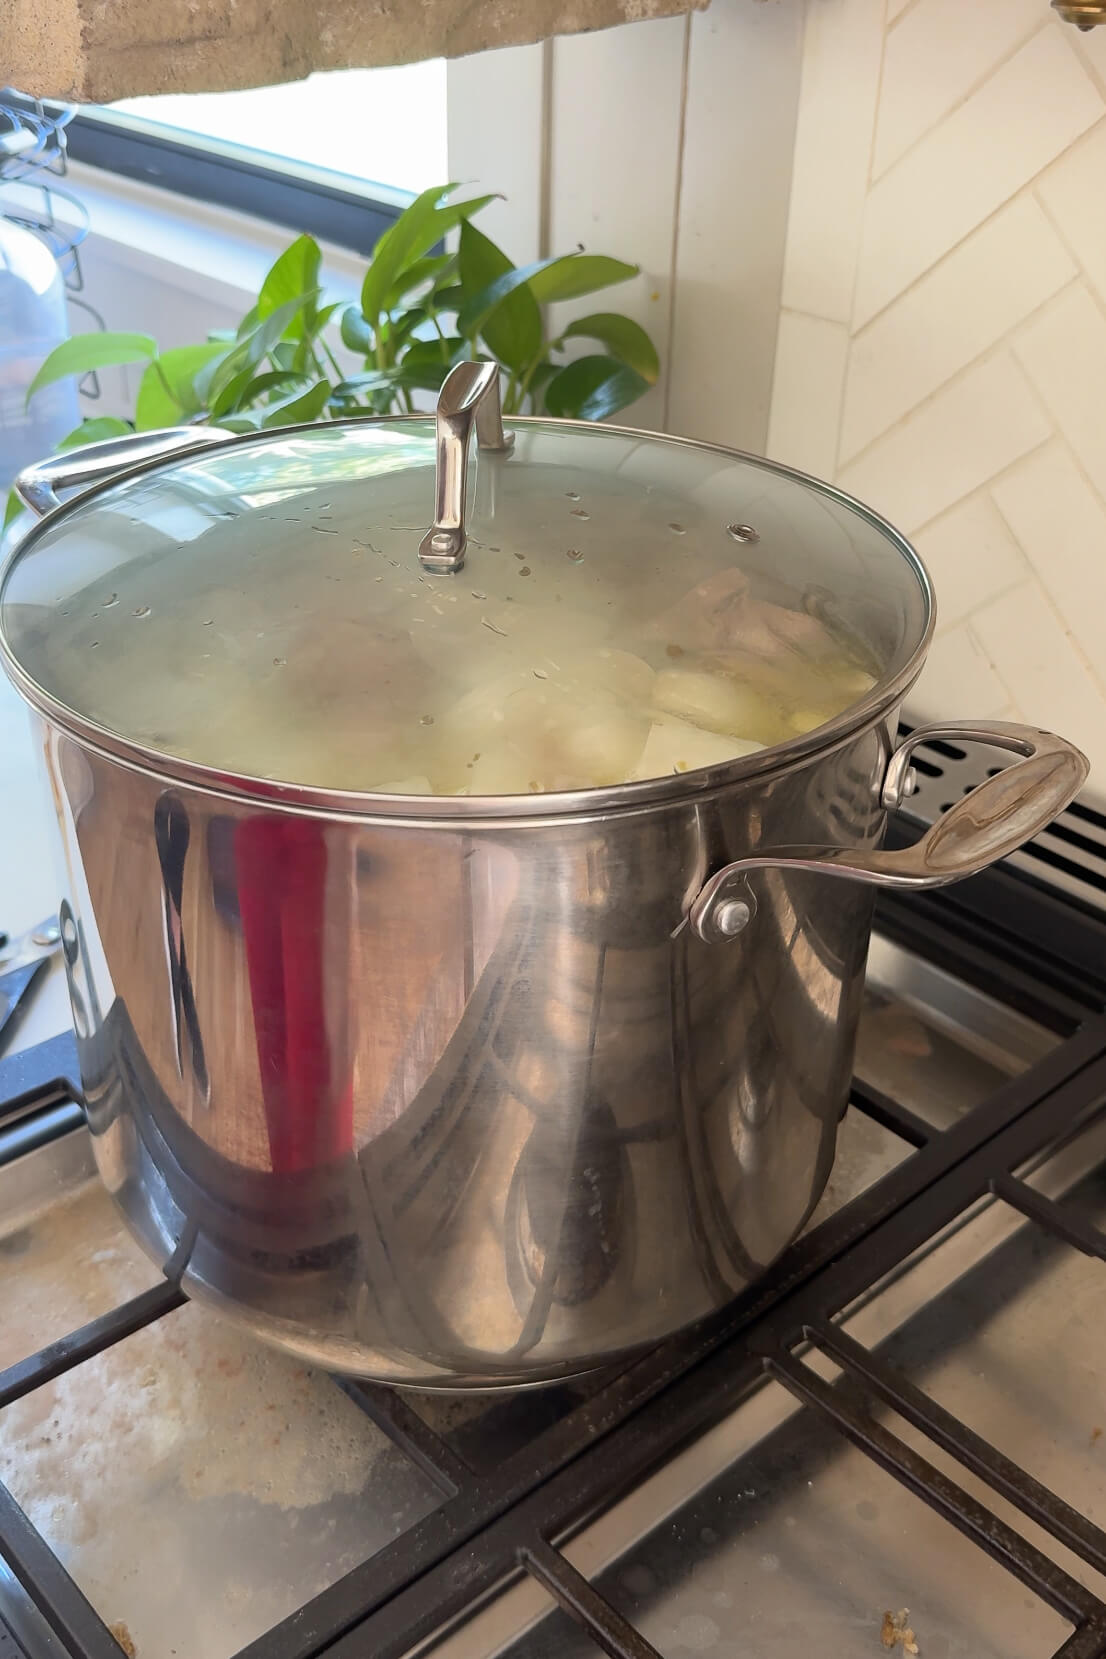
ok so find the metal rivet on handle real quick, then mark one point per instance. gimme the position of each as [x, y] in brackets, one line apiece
[732, 917]
[895, 791]
[742, 532]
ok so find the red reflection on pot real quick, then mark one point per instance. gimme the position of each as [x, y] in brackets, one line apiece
[281, 870]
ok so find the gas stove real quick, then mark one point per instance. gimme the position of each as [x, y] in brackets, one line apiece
[895, 1441]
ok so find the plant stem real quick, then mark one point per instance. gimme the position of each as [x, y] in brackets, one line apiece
[168, 390]
[524, 388]
[332, 359]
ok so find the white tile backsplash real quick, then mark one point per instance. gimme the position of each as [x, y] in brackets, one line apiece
[1064, 354]
[974, 410]
[1090, 47]
[842, 49]
[806, 394]
[950, 317]
[971, 555]
[1029, 648]
[964, 169]
[1060, 521]
[923, 81]
[973, 428]
[958, 682]
[1068, 191]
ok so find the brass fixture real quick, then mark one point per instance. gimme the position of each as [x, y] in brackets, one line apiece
[1083, 13]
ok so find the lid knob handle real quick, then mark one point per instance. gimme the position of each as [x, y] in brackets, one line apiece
[469, 397]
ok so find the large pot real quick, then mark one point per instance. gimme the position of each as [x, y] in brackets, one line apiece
[453, 1090]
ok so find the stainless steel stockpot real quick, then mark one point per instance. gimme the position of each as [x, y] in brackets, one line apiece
[444, 1089]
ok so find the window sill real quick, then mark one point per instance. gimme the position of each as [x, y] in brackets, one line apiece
[224, 254]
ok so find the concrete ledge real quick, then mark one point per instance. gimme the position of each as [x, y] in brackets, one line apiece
[94, 51]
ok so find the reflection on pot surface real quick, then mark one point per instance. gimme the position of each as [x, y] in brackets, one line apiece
[463, 1103]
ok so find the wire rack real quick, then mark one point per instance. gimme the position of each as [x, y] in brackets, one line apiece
[34, 194]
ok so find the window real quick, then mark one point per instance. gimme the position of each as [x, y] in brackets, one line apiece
[337, 154]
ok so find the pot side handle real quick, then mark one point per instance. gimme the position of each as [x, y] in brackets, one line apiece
[990, 822]
[37, 486]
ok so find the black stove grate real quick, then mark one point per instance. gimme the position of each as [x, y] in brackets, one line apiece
[506, 1516]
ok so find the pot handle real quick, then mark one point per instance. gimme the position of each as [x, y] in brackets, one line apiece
[469, 397]
[988, 824]
[37, 486]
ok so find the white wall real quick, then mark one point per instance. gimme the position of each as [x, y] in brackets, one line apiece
[942, 346]
[669, 144]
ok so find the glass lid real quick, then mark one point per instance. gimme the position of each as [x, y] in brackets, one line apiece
[328, 607]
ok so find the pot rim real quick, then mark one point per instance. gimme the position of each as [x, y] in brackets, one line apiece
[882, 699]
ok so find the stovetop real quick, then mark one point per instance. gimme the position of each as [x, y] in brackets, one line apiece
[896, 1440]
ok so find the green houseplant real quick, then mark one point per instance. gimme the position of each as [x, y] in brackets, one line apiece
[421, 310]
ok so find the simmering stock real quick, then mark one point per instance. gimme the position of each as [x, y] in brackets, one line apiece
[552, 703]
[435, 687]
